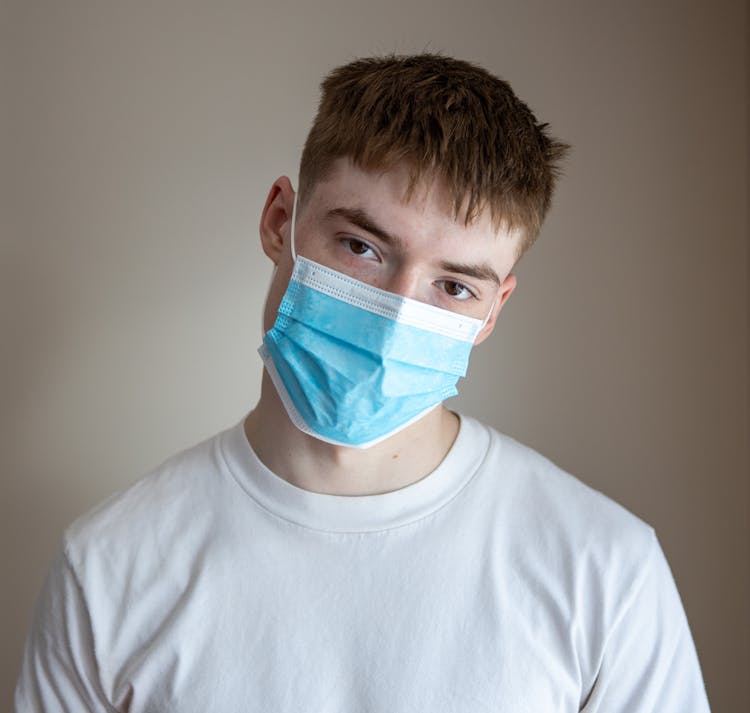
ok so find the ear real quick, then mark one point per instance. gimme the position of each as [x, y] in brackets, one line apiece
[275, 221]
[505, 291]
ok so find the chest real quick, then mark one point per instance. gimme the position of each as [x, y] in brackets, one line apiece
[352, 624]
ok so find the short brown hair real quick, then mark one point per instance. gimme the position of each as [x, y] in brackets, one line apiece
[444, 118]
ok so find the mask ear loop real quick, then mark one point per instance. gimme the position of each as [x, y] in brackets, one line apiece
[486, 319]
[291, 232]
[489, 314]
[276, 267]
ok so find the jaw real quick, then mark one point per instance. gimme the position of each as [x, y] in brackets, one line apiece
[312, 464]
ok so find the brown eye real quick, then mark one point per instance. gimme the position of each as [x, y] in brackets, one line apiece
[456, 290]
[358, 247]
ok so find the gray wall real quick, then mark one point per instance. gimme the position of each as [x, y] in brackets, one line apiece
[140, 140]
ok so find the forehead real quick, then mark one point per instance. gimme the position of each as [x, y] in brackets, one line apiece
[421, 216]
[391, 186]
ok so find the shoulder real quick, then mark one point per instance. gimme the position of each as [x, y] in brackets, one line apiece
[176, 501]
[555, 511]
[577, 557]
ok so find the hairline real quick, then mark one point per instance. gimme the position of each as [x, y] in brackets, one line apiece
[526, 235]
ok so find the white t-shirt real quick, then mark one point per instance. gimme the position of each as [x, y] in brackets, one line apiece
[497, 583]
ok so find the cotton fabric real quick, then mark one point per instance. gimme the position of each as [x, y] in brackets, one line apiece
[496, 583]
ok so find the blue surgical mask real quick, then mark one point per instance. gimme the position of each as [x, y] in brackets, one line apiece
[354, 364]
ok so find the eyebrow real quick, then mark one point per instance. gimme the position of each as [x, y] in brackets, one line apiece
[362, 220]
[358, 217]
[482, 271]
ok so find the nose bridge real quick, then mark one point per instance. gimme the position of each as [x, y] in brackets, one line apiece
[405, 282]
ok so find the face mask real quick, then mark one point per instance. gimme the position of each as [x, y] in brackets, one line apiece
[354, 364]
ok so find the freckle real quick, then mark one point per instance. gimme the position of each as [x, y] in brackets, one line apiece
[394, 456]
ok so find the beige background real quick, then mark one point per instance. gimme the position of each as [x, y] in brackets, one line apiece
[139, 140]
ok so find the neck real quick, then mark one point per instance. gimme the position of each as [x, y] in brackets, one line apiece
[312, 464]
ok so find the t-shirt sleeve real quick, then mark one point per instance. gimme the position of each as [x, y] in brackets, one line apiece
[649, 661]
[59, 670]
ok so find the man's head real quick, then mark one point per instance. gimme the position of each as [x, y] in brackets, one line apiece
[446, 120]
[426, 178]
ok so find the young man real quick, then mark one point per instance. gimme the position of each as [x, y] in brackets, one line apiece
[353, 545]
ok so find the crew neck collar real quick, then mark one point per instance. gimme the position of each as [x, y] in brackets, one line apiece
[363, 513]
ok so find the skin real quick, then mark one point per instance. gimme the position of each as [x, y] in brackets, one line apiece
[359, 223]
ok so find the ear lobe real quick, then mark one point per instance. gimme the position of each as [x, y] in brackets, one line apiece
[506, 290]
[276, 218]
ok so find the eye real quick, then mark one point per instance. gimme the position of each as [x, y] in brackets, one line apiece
[358, 247]
[456, 290]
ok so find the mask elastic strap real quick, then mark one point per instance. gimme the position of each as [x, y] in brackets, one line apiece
[276, 267]
[489, 314]
[291, 232]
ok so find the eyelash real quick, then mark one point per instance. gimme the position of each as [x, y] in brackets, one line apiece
[348, 242]
[468, 293]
